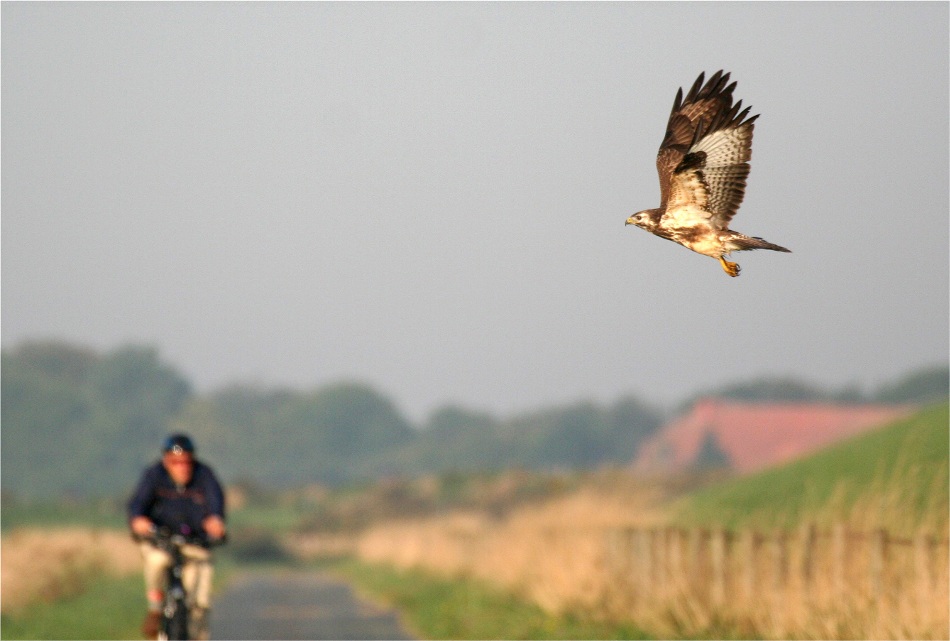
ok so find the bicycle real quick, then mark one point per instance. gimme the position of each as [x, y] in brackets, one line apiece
[176, 610]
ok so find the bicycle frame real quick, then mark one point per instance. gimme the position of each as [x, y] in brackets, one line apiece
[176, 611]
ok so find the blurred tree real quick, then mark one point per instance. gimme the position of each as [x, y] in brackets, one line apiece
[41, 418]
[711, 456]
[453, 440]
[573, 437]
[929, 385]
[630, 422]
[78, 423]
[356, 419]
[450, 420]
[54, 360]
[133, 383]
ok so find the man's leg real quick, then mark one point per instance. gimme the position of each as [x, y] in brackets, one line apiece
[197, 575]
[156, 564]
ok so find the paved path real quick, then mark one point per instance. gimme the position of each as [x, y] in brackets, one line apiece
[286, 604]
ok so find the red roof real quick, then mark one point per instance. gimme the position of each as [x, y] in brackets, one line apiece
[755, 436]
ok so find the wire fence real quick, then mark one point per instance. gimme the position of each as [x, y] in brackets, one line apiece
[835, 583]
[827, 583]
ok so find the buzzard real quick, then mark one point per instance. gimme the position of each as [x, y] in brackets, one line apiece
[703, 163]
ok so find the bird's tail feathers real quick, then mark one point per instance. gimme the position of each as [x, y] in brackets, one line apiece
[743, 243]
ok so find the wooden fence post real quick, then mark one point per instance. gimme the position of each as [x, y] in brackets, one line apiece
[806, 543]
[809, 534]
[645, 560]
[839, 552]
[676, 557]
[923, 546]
[613, 553]
[629, 553]
[749, 545]
[717, 545]
[876, 565]
[695, 569]
[656, 561]
[880, 585]
[660, 560]
[778, 563]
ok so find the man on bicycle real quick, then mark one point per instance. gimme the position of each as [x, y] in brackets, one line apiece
[182, 494]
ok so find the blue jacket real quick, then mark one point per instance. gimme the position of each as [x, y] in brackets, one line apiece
[181, 509]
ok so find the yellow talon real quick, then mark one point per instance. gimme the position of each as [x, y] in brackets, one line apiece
[730, 268]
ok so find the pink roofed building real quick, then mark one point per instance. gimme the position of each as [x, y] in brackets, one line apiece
[757, 435]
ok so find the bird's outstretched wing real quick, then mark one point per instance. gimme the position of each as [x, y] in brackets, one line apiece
[712, 173]
[702, 104]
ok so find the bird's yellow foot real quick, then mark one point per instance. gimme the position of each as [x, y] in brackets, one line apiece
[730, 268]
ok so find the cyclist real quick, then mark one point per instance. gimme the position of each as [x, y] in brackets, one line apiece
[182, 494]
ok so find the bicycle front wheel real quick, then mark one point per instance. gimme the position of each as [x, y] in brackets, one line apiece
[176, 625]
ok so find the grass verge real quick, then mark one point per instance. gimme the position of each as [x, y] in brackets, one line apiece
[437, 608]
[108, 608]
[77, 583]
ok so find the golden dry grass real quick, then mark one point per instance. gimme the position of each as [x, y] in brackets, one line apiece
[605, 552]
[807, 583]
[48, 564]
[874, 565]
[551, 553]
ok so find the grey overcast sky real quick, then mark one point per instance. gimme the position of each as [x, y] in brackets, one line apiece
[430, 197]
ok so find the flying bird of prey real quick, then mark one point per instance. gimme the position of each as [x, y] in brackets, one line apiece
[703, 163]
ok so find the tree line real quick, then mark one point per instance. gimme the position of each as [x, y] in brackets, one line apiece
[80, 422]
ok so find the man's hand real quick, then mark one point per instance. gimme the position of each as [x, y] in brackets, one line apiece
[213, 526]
[142, 525]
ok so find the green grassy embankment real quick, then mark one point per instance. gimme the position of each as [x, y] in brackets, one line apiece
[894, 478]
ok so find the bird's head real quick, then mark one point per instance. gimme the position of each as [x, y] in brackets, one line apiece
[643, 219]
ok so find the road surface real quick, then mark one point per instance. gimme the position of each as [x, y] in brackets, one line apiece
[287, 604]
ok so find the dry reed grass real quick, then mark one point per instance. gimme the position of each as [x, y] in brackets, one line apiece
[550, 553]
[605, 552]
[802, 584]
[48, 564]
[319, 545]
[891, 502]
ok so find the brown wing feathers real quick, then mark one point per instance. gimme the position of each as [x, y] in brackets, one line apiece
[690, 145]
[703, 163]
[702, 104]
[710, 99]
[723, 120]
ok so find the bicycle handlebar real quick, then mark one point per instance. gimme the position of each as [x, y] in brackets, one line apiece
[161, 536]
